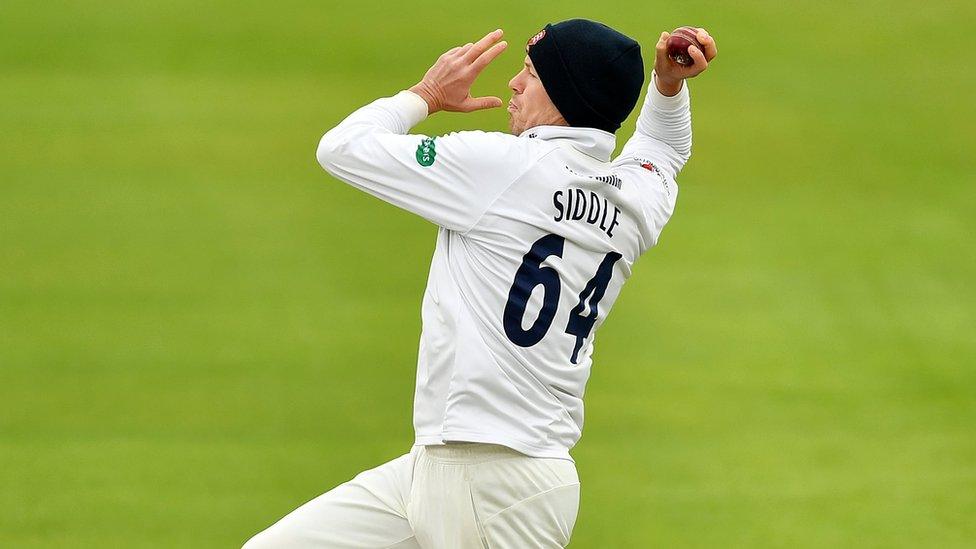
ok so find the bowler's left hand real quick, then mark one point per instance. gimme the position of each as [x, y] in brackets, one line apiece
[447, 85]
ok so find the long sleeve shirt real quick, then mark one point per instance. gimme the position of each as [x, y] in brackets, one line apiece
[537, 235]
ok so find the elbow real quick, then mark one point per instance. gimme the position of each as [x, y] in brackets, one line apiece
[682, 149]
[327, 152]
[685, 155]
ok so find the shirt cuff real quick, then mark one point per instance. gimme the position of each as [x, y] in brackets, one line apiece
[411, 106]
[662, 102]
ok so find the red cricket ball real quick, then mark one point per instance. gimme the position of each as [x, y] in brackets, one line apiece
[678, 43]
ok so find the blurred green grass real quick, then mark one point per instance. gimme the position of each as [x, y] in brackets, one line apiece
[199, 329]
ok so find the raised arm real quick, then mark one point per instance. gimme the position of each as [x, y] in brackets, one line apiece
[663, 135]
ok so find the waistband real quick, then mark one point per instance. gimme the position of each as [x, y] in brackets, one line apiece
[469, 452]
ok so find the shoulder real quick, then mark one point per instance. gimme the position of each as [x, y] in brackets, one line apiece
[652, 191]
[495, 146]
[651, 181]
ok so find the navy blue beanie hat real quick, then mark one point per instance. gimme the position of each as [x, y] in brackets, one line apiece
[592, 73]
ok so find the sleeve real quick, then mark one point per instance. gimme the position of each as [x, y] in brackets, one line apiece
[449, 180]
[663, 136]
[655, 154]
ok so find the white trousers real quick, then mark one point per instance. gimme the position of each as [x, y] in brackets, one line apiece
[456, 496]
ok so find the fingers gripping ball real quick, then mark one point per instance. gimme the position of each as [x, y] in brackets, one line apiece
[679, 42]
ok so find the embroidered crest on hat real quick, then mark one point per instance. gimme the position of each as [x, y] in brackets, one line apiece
[535, 39]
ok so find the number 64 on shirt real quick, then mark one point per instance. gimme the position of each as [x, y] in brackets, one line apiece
[531, 273]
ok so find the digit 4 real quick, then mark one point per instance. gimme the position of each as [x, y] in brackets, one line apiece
[581, 325]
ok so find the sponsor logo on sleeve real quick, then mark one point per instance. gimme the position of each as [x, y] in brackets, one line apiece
[426, 152]
[649, 166]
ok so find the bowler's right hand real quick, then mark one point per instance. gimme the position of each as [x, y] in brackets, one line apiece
[670, 74]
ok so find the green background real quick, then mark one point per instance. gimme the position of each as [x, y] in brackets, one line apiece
[200, 329]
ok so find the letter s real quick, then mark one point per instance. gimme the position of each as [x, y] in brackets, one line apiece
[558, 205]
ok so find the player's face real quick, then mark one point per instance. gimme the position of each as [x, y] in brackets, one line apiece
[530, 105]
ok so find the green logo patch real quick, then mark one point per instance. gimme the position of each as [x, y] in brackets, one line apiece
[426, 152]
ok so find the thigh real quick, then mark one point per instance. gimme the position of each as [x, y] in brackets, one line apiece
[529, 503]
[369, 511]
[441, 508]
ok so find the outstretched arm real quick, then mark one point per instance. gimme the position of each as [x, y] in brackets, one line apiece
[449, 180]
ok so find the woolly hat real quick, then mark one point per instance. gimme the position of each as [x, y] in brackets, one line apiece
[592, 73]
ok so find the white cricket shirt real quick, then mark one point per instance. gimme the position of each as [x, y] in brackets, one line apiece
[538, 233]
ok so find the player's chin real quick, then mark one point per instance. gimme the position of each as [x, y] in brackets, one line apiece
[513, 126]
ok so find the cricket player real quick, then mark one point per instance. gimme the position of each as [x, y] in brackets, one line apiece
[538, 230]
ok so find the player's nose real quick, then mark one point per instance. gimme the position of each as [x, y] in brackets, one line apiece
[514, 84]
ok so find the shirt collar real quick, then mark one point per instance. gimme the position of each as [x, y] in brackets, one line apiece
[590, 141]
